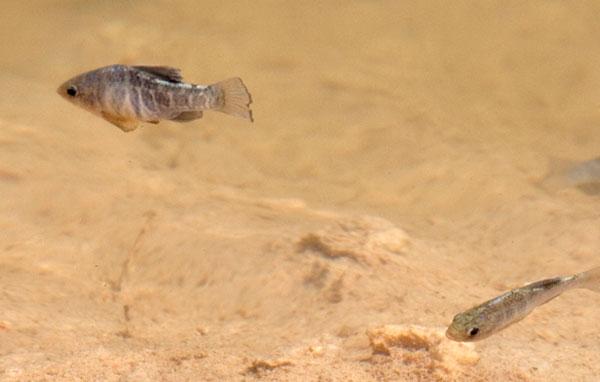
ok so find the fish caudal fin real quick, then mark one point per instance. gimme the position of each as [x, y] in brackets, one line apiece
[590, 279]
[236, 99]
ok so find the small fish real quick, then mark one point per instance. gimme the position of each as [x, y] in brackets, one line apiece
[128, 95]
[586, 176]
[564, 173]
[496, 314]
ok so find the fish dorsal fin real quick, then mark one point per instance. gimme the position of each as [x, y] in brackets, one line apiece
[165, 72]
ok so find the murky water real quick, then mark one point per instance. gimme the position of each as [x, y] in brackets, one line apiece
[443, 118]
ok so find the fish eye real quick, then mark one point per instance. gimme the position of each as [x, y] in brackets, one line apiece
[72, 91]
[473, 332]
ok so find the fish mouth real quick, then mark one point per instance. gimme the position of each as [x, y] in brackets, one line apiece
[62, 90]
[451, 334]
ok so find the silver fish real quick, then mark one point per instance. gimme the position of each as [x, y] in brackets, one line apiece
[496, 314]
[127, 95]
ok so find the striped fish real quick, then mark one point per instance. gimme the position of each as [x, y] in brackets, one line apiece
[127, 95]
[500, 312]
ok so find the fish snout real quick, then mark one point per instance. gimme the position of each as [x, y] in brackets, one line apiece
[69, 90]
[455, 334]
[62, 90]
[450, 334]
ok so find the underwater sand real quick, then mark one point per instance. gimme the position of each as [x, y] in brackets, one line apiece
[390, 181]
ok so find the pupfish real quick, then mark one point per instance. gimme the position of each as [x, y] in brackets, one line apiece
[586, 176]
[498, 313]
[127, 95]
[583, 175]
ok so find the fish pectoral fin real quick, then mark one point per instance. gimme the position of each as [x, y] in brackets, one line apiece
[126, 125]
[167, 73]
[187, 116]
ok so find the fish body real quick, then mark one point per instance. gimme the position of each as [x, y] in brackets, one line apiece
[127, 95]
[496, 314]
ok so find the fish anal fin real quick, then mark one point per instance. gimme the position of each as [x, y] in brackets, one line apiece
[187, 116]
[126, 125]
[167, 73]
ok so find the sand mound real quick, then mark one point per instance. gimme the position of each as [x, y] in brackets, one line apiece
[424, 348]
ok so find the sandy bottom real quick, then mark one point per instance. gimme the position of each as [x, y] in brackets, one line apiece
[394, 177]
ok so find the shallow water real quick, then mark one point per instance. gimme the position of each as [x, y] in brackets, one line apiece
[442, 119]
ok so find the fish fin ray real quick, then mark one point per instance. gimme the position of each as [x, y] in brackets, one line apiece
[187, 116]
[167, 73]
[236, 98]
[126, 125]
[590, 279]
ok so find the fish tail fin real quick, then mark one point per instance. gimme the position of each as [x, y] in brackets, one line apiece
[236, 99]
[555, 178]
[590, 279]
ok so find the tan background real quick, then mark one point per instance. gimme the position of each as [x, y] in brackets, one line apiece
[392, 177]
